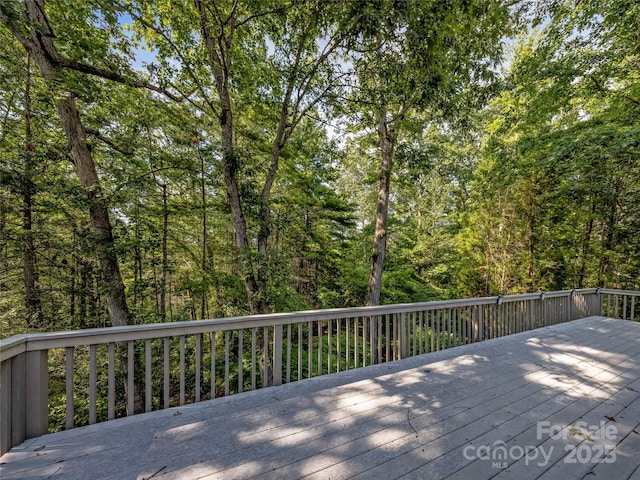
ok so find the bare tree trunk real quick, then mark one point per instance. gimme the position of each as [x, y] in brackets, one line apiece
[39, 44]
[32, 302]
[205, 259]
[219, 50]
[101, 225]
[386, 139]
[585, 245]
[531, 246]
[164, 261]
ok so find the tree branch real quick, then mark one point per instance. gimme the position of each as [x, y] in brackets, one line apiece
[108, 141]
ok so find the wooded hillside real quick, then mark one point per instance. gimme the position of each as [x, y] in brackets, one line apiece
[165, 161]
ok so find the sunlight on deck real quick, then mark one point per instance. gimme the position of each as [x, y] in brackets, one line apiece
[429, 416]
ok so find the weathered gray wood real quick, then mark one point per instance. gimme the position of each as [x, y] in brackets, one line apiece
[131, 375]
[299, 328]
[69, 410]
[213, 363]
[240, 361]
[92, 386]
[227, 336]
[277, 355]
[182, 370]
[198, 385]
[254, 333]
[166, 380]
[111, 383]
[6, 392]
[288, 367]
[372, 422]
[147, 376]
[329, 346]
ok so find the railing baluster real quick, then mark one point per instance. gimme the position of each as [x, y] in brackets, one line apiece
[624, 307]
[147, 375]
[310, 350]
[299, 328]
[69, 387]
[226, 361]
[198, 365]
[379, 326]
[356, 352]
[364, 342]
[265, 358]
[347, 342]
[254, 334]
[240, 362]
[92, 384]
[166, 386]
[320, 348]
[111, 383]
[387, 334]
[431, 315]
[414, 334]
[633, 304]
[277, 355]
[182, 371]
[421, 332]
[338, 345]
[288, 352]
[131, 396]
[329, 346]
[436, 324]
[464, 313]
[213, 365]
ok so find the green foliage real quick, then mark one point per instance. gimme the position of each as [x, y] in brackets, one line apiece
[535, 190]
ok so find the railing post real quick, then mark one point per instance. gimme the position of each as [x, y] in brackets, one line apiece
[532, 316]
[598, 302]
[37, 393]
[373, 338]
[404, 336]
[5, 406]
[18, 399]
[277, 355]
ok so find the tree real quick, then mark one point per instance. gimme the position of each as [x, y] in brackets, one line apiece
[417, 57]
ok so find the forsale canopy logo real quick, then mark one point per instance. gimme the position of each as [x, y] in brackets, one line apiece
[590, 444]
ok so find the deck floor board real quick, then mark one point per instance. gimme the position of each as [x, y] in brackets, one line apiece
[432, 416]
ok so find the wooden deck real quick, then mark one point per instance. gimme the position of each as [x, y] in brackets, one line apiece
[488, 410]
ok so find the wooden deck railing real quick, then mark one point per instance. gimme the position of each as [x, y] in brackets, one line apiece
[87, 376]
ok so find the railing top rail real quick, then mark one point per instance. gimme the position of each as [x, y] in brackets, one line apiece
[631, 293]
[12, 346]
[40, 341]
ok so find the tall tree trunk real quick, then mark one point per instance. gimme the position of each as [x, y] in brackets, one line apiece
[101, 225]
[205, 260]
[386, 141]
[609, 235]
[32, 302]
[531, 245]
[39, 44]
[219, 50]
[164, 261]
[586, 240]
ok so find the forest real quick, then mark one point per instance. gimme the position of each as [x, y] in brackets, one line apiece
[177, 160]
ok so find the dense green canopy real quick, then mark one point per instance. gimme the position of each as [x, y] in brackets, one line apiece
[166, 160]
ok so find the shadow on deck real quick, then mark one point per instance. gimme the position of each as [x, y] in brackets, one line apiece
[556, 402]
